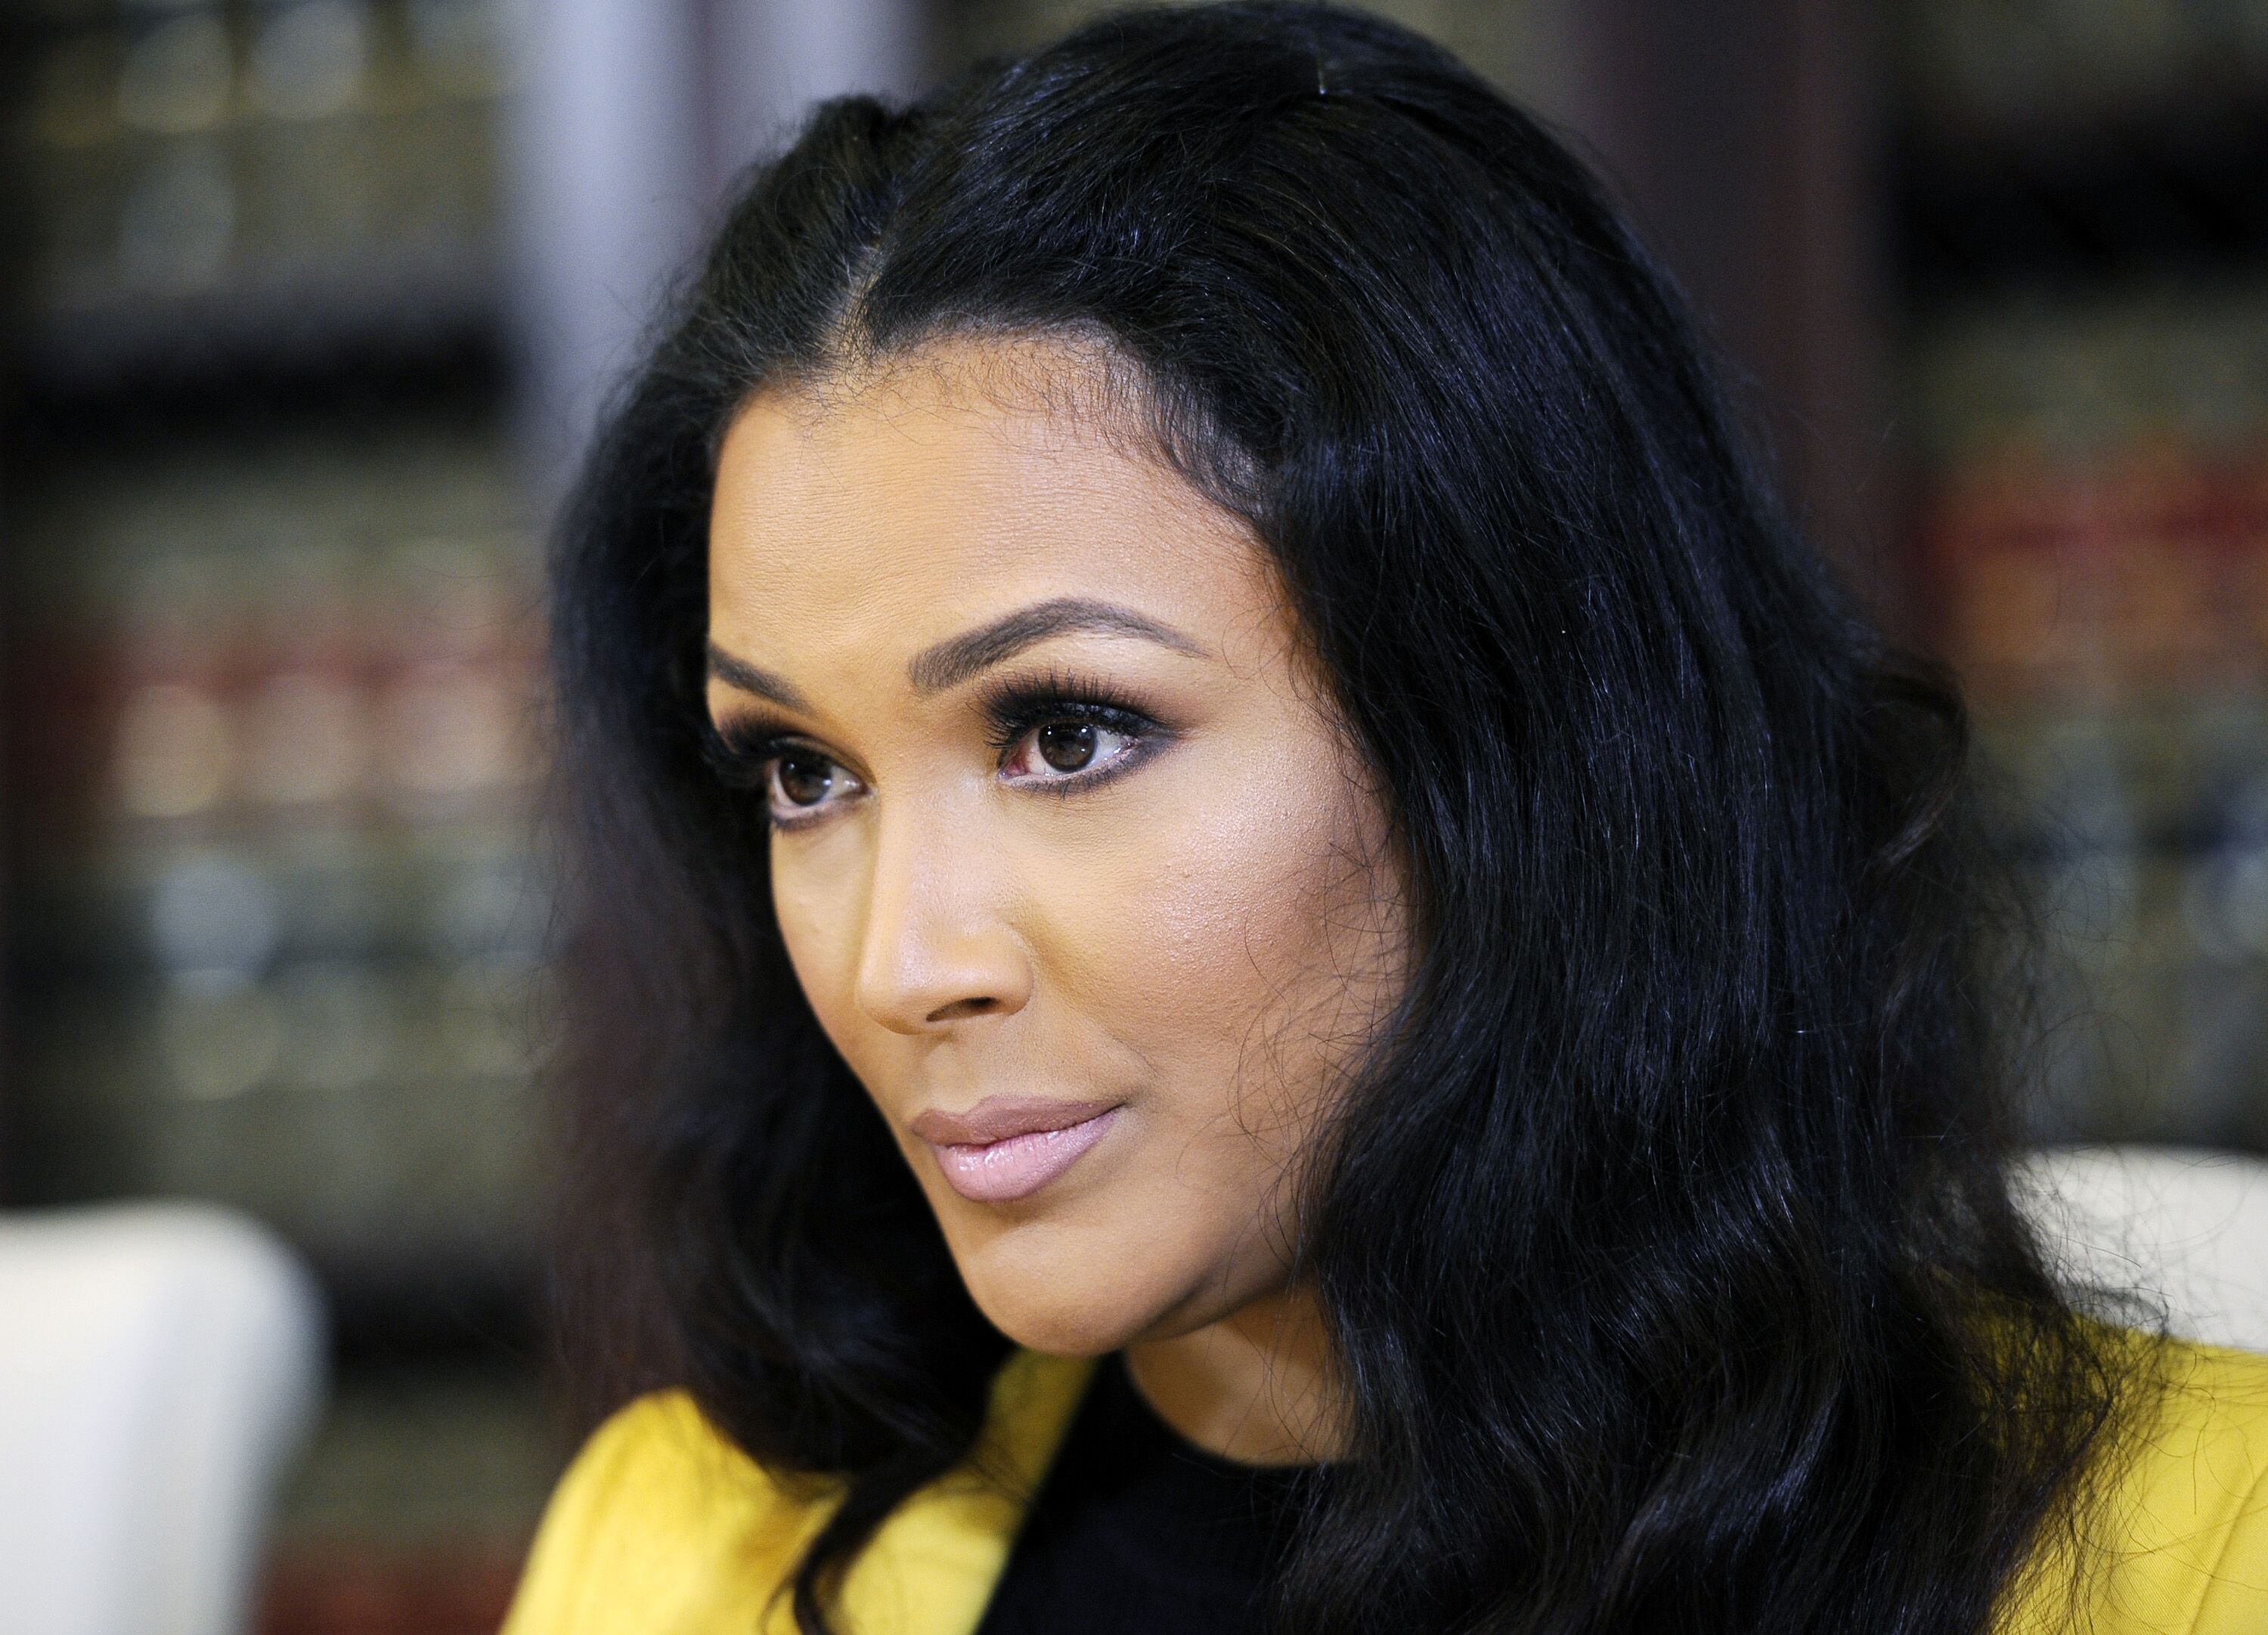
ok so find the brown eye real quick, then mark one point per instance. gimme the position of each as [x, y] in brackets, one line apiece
[803, 779]
[1069, 743]
[1067, 746]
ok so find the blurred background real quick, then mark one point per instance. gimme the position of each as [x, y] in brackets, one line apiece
[311, 302]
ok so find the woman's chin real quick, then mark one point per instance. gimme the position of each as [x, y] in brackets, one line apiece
[1075, 1301]
[1095, 1274]
[1091, 1305]
[1060, 1322]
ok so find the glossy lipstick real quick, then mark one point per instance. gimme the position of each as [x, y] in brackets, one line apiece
[1008, 1147]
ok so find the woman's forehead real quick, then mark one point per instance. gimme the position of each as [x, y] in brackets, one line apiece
[876, 513]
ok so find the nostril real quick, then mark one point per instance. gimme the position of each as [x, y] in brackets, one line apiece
[961, 1008]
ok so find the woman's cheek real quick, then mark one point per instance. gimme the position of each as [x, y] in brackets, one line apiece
[1202, 920]
[817, 921]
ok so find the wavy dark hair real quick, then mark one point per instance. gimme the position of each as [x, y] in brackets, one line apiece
[1664, 1243]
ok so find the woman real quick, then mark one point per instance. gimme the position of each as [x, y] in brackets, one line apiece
[1203, 753]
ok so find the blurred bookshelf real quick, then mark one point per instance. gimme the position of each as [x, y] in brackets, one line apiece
[276, 898]
[2080, 206]
[274, 892]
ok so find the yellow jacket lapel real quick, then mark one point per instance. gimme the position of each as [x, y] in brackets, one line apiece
[931, 1567]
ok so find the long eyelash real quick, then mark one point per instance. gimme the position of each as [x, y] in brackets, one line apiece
[739, 752]
[1017, 704]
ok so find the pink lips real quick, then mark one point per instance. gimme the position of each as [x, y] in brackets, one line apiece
[1008, 1147]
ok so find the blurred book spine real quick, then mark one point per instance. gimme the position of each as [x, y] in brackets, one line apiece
[279, 916]
[1987, 63]
[288, 914]
[2082, 227]
[193, 165]
[2094, 526]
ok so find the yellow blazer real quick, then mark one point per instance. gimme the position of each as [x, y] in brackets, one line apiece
[661, 1526]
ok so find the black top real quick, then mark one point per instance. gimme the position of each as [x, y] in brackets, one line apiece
[1137, 1531]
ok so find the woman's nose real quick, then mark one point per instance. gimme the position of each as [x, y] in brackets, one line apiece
[936, 949]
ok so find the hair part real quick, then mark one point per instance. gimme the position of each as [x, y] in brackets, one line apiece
[1664, 1241]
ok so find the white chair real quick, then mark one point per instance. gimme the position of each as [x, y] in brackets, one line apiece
[2181, 1225]
[158, 1365]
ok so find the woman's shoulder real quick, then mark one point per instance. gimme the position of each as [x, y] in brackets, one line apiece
[2185, 1511]
[661, 1523]
[2215, 1409]
[2195, 1497]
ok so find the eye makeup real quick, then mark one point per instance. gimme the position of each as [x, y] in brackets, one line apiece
[740, 751]
[744, 751]
[750, 755]
[1018, 706]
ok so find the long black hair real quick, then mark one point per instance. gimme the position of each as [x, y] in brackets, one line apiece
[1664, 1244]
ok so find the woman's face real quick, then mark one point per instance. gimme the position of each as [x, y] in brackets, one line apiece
[1070, 857]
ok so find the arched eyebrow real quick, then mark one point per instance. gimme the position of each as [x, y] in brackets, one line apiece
[957, 657]
[749, 678]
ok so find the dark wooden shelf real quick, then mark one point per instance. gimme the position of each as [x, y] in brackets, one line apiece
[2156, 190]
[399, 313]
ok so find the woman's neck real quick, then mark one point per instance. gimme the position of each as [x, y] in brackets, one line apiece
[1255, 1386]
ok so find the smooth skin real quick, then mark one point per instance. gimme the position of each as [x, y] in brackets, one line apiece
[1062, 811]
